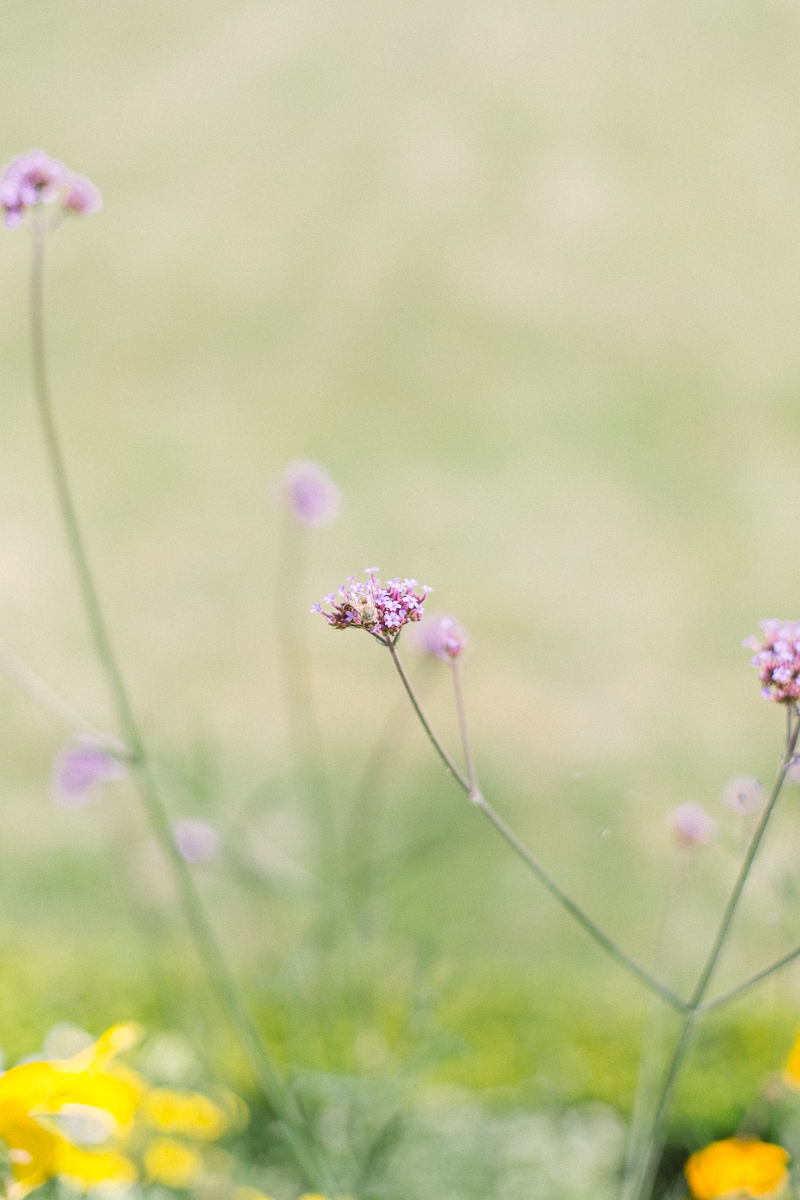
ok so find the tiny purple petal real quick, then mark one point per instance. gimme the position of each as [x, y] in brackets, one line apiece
[196, 841]
[692, 825]
[79, 768]
[310, 493]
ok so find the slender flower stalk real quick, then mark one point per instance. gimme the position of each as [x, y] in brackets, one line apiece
[542, 874]
[261, 1059]
[642, 1184]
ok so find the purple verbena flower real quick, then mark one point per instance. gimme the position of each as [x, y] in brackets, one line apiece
[196, 841]
[743, 794]
[692, 825]
[79, 768]
[34, 178]
[380, 608]
[442, 637]
[777, 660]
[310, 493]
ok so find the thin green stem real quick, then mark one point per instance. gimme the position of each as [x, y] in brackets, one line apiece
[53, 704]
[462, 724]
[262, 1062]
[792, 730]
[718, 1001]
[542, 874]
[643, 1183]
[693, 1008]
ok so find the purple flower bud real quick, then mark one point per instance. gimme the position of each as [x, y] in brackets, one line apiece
[81, 196]
[441, 636]
[310, 493]
[692, 825]
[743, 794]
[79, 768]
[196, 841]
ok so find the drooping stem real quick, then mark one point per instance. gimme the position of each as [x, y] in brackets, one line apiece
[261, 1060]
[542, 874]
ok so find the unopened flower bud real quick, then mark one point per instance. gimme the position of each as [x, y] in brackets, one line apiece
[79, 768]
[310, 493]
[743, 794]
[692, 825]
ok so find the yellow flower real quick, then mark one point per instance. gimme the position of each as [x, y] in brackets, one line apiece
[791, 1072]
[737, 1167]
[190, 1114]
[35, 1098]
[172, 1163]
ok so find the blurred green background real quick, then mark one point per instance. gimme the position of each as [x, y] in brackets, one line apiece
[526, 278]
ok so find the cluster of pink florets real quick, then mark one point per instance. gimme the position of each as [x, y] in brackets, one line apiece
[34, 178]
[777, 658]
[380, 608]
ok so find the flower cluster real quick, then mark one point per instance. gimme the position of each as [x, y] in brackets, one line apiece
[380, 608]
[778, 660]
[34, 178]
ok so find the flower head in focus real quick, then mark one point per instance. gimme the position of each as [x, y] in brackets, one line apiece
[79, 768]
[777, 659]
[196, 841]
[737, 1167]
[380, 608]
[692, 825]
[309, 492]
[35, 178]
[442, 637]
[744, 794]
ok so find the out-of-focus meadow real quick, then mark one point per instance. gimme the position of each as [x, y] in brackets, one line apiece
[526, 278]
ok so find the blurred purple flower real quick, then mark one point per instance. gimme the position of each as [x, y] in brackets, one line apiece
[79, 768]
[441, 636]
[310, 493]
[743, 794]
[777, 658]
[692, 825]
[196, 841]
[81, 196]
[34, 178]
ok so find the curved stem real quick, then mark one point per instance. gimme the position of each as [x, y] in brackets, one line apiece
[542, 874]
[261, 1060]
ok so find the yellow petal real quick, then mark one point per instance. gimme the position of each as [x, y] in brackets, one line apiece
[114, 1041]
[172, 1163]
[87, 1168]
[757, 1169]
[188, 1113]
[791, 1071]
